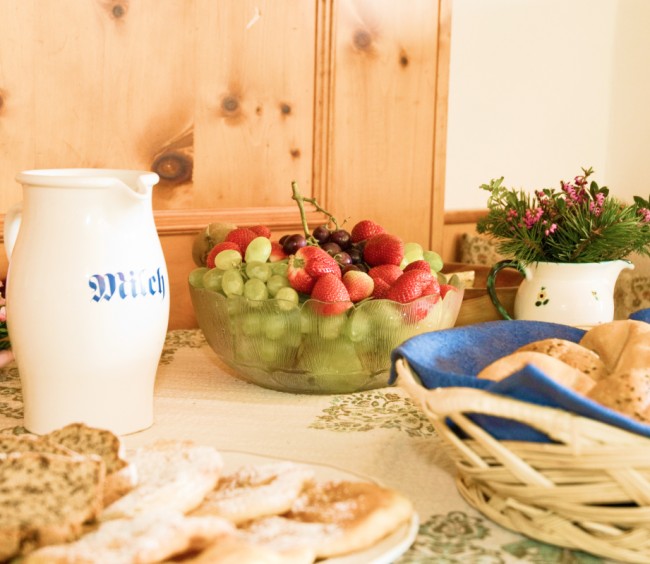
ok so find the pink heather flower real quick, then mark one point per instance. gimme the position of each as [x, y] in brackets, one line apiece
[552, 229]
[575, 194]
[645, 215]
[543, 199]
[580, 181]
[596, 207]
[532, 217]
[512, 214]
[3, 314]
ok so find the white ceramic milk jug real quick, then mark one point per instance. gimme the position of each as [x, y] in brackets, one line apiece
[87, 297]
[578, 294]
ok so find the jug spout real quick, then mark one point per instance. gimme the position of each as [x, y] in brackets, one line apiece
[136, 183]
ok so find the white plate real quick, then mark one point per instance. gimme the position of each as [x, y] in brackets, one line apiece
[384, 552]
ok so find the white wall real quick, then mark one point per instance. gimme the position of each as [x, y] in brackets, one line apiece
[540, 88]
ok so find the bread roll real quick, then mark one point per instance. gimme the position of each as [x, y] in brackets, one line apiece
[573, 354]
[627, 393]
[554, 368]
[609, 339]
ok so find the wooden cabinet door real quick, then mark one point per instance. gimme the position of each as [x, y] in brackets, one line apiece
[230, 101]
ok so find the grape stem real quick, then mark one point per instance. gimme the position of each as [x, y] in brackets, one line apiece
[300, 200]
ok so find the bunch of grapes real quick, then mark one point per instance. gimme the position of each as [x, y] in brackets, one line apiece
[251, 276]
[336, 242]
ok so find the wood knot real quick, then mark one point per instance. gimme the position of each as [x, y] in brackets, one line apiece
[118, 11]
[403, 60]
[285, 108]
[230, 104]
[295, 153]
[362, 39]
[173, 167]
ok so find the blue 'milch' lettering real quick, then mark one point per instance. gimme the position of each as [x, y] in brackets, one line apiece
[130, 285]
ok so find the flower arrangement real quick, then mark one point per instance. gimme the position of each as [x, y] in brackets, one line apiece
[580, 222]
[4, 333]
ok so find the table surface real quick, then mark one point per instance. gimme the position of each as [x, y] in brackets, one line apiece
[378, 434]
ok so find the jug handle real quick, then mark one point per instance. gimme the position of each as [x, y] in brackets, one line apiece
[491, 282]
[12, 221]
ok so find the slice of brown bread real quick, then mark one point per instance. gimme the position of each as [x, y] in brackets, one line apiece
[46, 498]
[121, 477]
[90, 440]
[31, 443]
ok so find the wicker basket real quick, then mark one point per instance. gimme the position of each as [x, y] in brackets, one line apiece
[589, 490]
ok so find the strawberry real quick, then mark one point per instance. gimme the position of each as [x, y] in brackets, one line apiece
[418, 265]
[364, 230]
[261, 231]
[358, 284]
[277, 252]
[432, 289]
[446, 288]
[225, 245]
[409, 288]
[329, 288]
[242, 236]
[307, 265]
[380, 289]
[383, 249]
[383, 276]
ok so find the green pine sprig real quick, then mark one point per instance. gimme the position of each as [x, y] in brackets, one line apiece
[580, 222]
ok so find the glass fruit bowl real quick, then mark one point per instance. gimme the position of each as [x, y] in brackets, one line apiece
[305, 348]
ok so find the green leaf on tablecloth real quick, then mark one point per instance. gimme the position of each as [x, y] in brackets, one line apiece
[367, 411]
[179, 339]
[453, 538]
[529, 550]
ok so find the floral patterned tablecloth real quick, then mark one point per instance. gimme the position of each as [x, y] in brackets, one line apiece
[380, 434]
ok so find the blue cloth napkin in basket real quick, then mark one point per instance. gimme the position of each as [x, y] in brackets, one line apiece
[453, 357]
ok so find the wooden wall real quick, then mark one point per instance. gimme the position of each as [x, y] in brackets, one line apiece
[231, 100]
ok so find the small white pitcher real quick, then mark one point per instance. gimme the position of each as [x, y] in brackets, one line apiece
[87, 297]
[578, 294]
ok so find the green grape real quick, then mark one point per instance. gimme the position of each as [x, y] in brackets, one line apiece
[275, 326]
[232, 282]
[250, 324]
[255, 289]
[287, 298]
[269, 350]
[280, 267]
[275, 283]
[359, 326]
[434, 260]
[330, 327]
[228, 259]
[196, 277]
[212, 279]
[258, 270]
[412, 252]
[259, 249]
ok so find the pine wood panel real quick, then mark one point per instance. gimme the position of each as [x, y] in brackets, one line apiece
[383, 110]
[231, 100]
[107, 83]
[255, 95]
